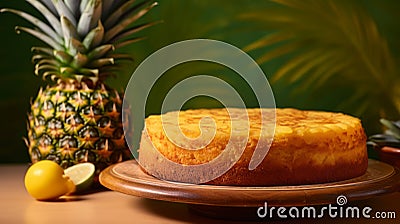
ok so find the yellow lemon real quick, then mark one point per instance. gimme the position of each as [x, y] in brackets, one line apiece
[45, 180]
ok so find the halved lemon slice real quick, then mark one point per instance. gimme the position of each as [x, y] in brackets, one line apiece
[82, 175]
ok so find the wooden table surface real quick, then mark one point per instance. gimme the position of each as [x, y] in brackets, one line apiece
[16, 206]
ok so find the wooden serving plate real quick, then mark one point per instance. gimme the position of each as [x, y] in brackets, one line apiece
[127, 177]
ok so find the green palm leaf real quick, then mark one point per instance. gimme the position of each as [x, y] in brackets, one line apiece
[330, 46]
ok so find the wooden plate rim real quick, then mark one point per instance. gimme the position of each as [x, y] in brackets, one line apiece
[128, 178]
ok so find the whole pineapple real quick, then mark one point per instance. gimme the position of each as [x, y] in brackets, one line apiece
[78, 118]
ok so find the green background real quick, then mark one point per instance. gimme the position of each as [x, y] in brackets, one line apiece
[182, 20]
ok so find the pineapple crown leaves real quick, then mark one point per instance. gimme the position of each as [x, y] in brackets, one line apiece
[82, 36]
[391, 136]
[326, 44]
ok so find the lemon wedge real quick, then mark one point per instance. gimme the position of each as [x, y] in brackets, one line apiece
[81, 175]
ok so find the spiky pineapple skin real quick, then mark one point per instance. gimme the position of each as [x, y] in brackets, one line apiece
[72, 125]
[77, 118]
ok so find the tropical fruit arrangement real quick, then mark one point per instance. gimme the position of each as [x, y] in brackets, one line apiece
[47, 180]
[77, 118]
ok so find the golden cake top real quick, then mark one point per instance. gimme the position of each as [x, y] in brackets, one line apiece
[288, 121]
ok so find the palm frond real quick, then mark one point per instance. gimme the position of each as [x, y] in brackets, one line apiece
[327, 44]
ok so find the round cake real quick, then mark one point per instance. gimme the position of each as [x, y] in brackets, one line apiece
[307, 147]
